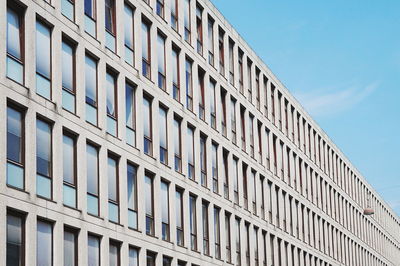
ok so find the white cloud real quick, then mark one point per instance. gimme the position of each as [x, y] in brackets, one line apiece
[326, 102]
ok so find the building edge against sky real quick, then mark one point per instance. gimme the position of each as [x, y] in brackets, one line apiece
[149, 133]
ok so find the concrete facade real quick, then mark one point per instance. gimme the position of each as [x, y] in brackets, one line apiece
[297, 198]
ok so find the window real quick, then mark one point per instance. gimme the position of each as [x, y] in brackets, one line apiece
[177, 145]
[90, 17]
[114, 253]
[214, 167]
[175, 74]
[93, 250]
[15, 44]
[151, 259]
[260, 145]
[241, 71]
[43, 60]
[236, 181]
[203, 160]
[148, 192]
[164, 200]
[113, 191]
[251, 129]
[190, 152]
[160, 8]
[221, 49]
[110, 22]
[161, 61]
[217, 233]
[245, 191]
[43, 159]
[210, 41]
[129, 35]
[201, 74]
[163, 125]
[15, 148]
[186, 20]
[213, 109]
[225, 174]
[69, 170]
[247, 245]
[91, 89]
[146, 50]
[133, 256]
[258, 88]
[193, 222]
[238, 252]
[130, 115]
[254, 194]
[112, 113]
[132, 195]
[233, 120]
[231, 63]
[92, 175]
[243, 128]
[249, 80]
[174, 14]
[167, 261]
[189, 85]
[44, 243]
[267, 144]
[15, 230]
[206, 236]
[68, 76]
[199, 28]
[228, 244]
[223, 116]
[266, 97]
[70, 247]
[179, 217]
[68, 9]
[147, 127]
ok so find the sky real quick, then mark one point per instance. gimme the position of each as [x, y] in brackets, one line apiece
[341, 60]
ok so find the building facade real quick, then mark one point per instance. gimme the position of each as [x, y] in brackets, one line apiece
[149, 133]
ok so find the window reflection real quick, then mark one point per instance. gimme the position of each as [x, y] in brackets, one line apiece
[44, 240]
[43, 60]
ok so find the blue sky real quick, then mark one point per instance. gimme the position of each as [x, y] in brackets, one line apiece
[341, 59]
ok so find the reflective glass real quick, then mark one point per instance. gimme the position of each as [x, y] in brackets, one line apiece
[161, 54]
[43, 148]
[90, 25]
[69, 248]
[133, 257]
[69, 159]
[93, 251]
[69, 196]
[43, 186]
[15, 70]
[111, 101]
[110, 41]
[43, 49]
[67, 9]
[14, 240]
[92, 169]
[93, 205]
[146, 118]
[145, 41]
[13, 34]
[68, 101]
[163, 128]
[43, 86]
[14, 135]
[112, 179]
[148, 191]
[131, 174]
[113, 212]
[164, 203]
[111, 126]
[130, 105]
[91, 114]
[15, 175]
[128, 26]
[67, 66]
[44, 239]
[114, 253]
[91, 80]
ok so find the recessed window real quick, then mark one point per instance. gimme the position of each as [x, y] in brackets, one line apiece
[164, 200]
[15, 148]
[15, 44]
[147, 127]
[228, 243]
[90, 17]
[167, 261]
[217, 232]
[129, 35]
[112, 96]
[15, 231]
[133, 256]
[43, 60]
[233, 121]
[161, 61]
[236, 181]
[132, 195]
[146, 50]
[91, 89]
[206, 235]
[114, 253]
[160, 8]
[214, 166]
[243, 128]
[237, 239]
[199, 29]
[68, 76]
[151, 258]
[223, 116]
[200, 88]
[68, 9]
[179, 217]
[174, 14]
[43, 159]
[221, 50]
[175, 75]
[231, 63]
[251, 134]
[210, 41]
[44, 243]
[240, 63]
[113, 189]
[189, 84]
[149, 203]
[92, 175]
[186, 20]
[193, 222]
[225, 174]
[69, 170]
[213, 109]
[130, 114]
[190, 152]
[110, 22]
[70, 247]
[203, 160]
[163, 127]
[93, 250]
[249, 80]
[177, 145]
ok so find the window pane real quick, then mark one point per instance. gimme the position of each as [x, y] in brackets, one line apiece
[43, 50]
[14, 240]
[92, 169]
[13, 34]
[67, 8]
[69, 248]
[69, 159]
[45, 242]
[111, 103]
[14, 135]
[163, 128]
[112, 179]
[164, 203]
[91, 80]
[109, 15]
[175, 67]
[178, 204]
[147, 117]
[128, 25]
[67, 66]
[161, 54]
[89, 8]
[190, 139]
[93, 251]
[177, 137]
[145, 41]
[131, 172]
[133, 257]
[114, 254]
[43, 148]
[148, 191]
[130, 105]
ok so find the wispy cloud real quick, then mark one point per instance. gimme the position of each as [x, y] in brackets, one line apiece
[324, 102]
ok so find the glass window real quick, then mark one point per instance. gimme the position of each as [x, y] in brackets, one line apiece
[110, 24]
[177, 145]
[91, 89]
[147, 127]
[233, 120]
[15, 148]
[189, 85]
[160, 8]
[43, 159]
[163, 135]
[223, 116]
[179, 217]
[237, 241]
[130, 114]
[68, 76]
[132, 196]
[93, 250]
[190, 152]
[210, 41]
[228, 237]
[90, 17]
[133, 256]
[175, 74]
[231, 63]
[92, 179]
[15, 45]
[217, 233]
[193, 222]
[199, 28]
[69, 170]
[151, 259]
[15, 240]
[149, 206]
[164, 200]
[70, 247]
[113, 191]
[68, 9]
[161, 61]
[213, 111]
[203, 160]
[236, 180]
[129, 35]
[43, 60]
[167, 261]
[174, 14]
[201, 94]
[225, 174]
[114, 250]
[44, 243]
[186, 20]
[111, 85]
[206, 246]
[146, 54]
[214, 167]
